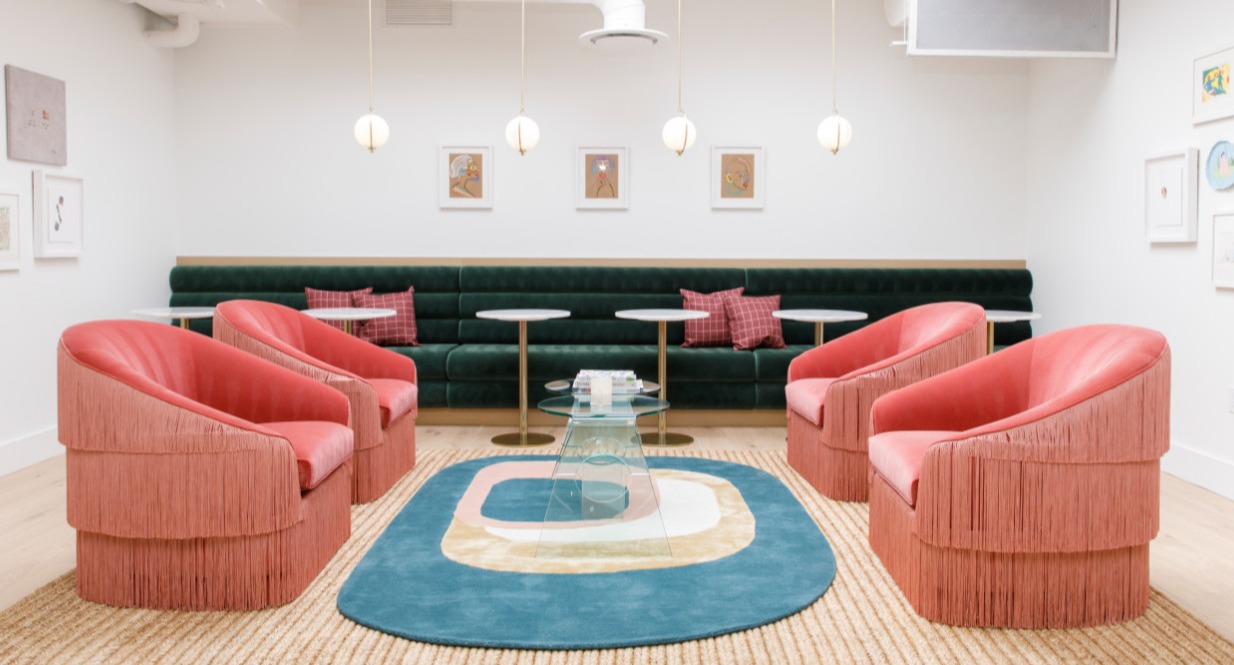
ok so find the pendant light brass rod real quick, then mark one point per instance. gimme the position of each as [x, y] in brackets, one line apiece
[370, 57]
[680, 107]
[834, 108]
[522, 62]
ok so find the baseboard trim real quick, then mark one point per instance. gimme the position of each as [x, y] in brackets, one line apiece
[29, 450]
[536, 418]
[1211, 473]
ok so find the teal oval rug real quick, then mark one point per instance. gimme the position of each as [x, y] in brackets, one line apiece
[456, 566]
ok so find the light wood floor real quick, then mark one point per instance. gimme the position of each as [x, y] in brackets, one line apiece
[1191, 558]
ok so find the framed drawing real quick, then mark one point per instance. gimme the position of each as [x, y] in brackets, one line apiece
[465, 176]
[603, 178]
[58, 215]
[1171, 185]
[10, 226]
[1211, 95]
[1219, 169]
[1223, 250]
[738, 177]
[37, 129]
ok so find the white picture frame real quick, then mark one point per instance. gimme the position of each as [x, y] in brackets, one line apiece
[602, 178]
[10, 228]
[465, 177]
[1223, 249]
[59, 215]
[1212, 90]
[1171, 188]
[738, 177]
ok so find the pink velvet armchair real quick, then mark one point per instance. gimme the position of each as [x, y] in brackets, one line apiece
[379, 384]
[1022, 490]
[831, 387]
[199, 477]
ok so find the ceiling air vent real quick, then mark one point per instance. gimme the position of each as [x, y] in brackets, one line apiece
[419, 12]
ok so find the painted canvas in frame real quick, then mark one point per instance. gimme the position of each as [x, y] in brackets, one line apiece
[10, 229]
[1212, 96]
[37, 128]
[1171, 185]
[58, 215]
[465, 177]
[603, 178]
[737, 177]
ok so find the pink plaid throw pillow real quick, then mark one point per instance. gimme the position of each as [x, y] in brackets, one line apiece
[713, 330]
[318, 299]
[752, 322]
[399, 329]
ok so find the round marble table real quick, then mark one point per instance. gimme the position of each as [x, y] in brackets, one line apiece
[349, 315]
[183, 314]
[818, 317]
[993, 316]
[522, 437]
[662, 437]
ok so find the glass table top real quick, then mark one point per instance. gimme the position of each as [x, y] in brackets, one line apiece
[623, 406]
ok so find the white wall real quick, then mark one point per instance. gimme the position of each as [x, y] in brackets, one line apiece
[1090, 127]
[268, 165]
[120, 140]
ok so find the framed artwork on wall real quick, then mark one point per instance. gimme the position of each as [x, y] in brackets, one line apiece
[10, 228]
[738, 177]
[1219, 169]
[465, 177]
[1171, 186]
[37, 128]
[603, 179]
[1223, 250]
[58, 215]
[1212, 97]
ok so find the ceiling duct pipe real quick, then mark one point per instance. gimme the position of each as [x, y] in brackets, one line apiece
[186, 32]
[625, 27]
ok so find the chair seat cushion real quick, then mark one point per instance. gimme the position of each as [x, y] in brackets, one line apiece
[897, 457]
[320, 447]
[806, 397]
[395, 398]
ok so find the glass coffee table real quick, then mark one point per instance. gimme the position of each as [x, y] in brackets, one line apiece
[604, 502]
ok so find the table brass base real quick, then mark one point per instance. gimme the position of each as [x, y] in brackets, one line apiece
[516, 440]
[652, 438]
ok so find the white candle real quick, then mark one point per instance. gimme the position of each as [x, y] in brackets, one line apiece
[601, 391]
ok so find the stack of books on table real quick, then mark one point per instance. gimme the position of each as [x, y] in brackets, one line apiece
[624, 381]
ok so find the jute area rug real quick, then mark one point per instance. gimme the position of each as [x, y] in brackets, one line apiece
[863, 618]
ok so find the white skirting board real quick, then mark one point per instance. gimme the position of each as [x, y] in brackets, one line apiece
[1199, 468]
[29, 450]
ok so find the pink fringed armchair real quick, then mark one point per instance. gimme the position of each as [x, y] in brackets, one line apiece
[1022, 490]
[199, 477]
[831, 387]
[380, 384]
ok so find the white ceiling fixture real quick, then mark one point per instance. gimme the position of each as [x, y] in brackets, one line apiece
[190, 15]
[624, 24]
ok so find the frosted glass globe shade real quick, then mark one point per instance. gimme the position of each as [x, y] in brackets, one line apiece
[835, 133]
[371, 131]
[679, 134]
[522, 133]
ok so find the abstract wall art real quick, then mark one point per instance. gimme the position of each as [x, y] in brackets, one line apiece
[37, 128]
[58, 215]
[603, 181]
[10, 229]
[1212, 96]
[1219, 169]
[737, 177]
[1171, 186]
[465, 174]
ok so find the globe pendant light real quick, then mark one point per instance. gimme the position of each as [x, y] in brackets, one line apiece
[835, 132]
[522, 133]
[679, 132]
[371, 130]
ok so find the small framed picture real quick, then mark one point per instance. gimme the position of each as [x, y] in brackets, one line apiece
[465, 174]
[738, 177]
[58, 215]
[1223, 250]
[1171, 186]
[603, 176]
[1212, 98]
[10, 228]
